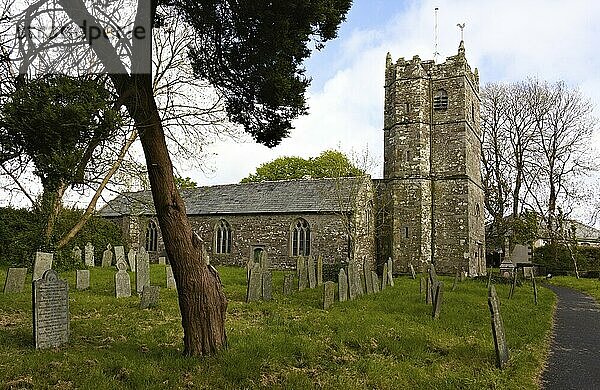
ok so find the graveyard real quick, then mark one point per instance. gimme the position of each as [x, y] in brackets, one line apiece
[387, 339]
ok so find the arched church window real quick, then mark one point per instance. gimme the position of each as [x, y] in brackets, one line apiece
[300, 237]
[151, 237]
[222, 237]
[440, 100]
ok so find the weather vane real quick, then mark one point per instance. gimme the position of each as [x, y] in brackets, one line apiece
[462, 30]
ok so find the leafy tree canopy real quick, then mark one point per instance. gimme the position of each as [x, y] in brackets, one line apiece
[330, 163]
[184, 182]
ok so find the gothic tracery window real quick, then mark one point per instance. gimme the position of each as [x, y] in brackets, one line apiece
[300, 236]
[222, 237]
[151, 237]
[440, 100]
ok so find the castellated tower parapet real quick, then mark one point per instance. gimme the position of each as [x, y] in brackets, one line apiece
[432, 180]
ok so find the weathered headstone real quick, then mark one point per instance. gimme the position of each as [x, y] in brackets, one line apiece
[312, 277]
[319, 270]
[456, 278]
[122, 281]
[422, 285]
[513, 285]
[288, 282]
[489, 278]
[437, 300]
[170, 278]
[142, 272]
[463, 275]
[15, 280]
[107, 256]
[41, 264]
[162, 260]
[131, 259]
[328, 294]
[412, 271]
[428, 291]
[76, 252]
[535, 292]
[267, 285]
[343, 286]
[265, 262]
[302, 273]
[368, 279]
[384, 276]
[89, 254]
[50, 301]
[353, 285]
[390, 272]
[375, 281]
[120, 256]
[249, 266]
[82, 277]
[150, 295]
[497, 328]
[254, 290]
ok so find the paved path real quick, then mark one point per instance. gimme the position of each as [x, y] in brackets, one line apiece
[574, 361]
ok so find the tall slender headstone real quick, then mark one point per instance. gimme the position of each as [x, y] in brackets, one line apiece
[375, 281]
[249, 266]
[170, 278]
[352, 285]
[368, 278]
[343, 285]
[319, 270]
[15, 280]
[41, 264]
[265, 262]
[288, 282]
[390, 272]
[76, 252]
[535, 292]
[122, 281]
[131, 259]
[254, 290]
[302, 273]
[50, 302]
[162, 260]
[437, 300]
[384, 277]
[89, 254]
[312, 277]
[82, 277]
[120, 256]
[267, 285]
[428, 291]
[412, 271]
[497, 328]
[107, 256]
[328, 294]
[142, 272]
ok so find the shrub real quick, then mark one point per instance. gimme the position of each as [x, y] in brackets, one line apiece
[557, 259]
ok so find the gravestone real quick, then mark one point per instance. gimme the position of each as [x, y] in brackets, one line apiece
[456, 278]
[142, 272]
[254, 289]
[265, 262]
[384, 276]
[131, 259]
[497, 328]
[162, 260]
[122, 281]
[89, 254]
[437, 300]
[15, 280]
[107, 256]
[302, 273]
[368, 279]
[312, 277]
[41, 264]
[535, 292]
[343, 286]
[76, 252]
[50, 302]
[390, 272]
[267, 285]
[412, 271]
[170, 278]
[422, 285]
[82, 277]
[249, 266]
[513, 285]
[353, 286]
[150, 295]
[428, 291]
[328, 294]
[120, 256]
[489, 278]
[375, 281]
[319, 270]
[288, 282]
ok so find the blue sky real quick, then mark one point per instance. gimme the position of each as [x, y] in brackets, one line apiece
[506, 40]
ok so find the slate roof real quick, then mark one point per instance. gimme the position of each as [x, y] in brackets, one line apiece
[287, 196]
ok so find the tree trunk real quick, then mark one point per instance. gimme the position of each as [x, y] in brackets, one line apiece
[201, 299]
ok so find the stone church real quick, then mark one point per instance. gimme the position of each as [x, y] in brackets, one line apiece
[428, 208]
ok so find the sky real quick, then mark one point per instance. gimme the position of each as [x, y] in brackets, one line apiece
[506, 40]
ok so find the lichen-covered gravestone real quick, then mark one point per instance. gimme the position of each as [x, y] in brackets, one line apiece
[120, 256]
[390, 272]
[288, 282]
[312, 277]
[328, 294]
[368, 279]
[267, 285]
[41, 264]
[15, 280]
[50, 302]
[353, 282]
[302, 273]
[437, 299]
[162, 260]
[384, 276]
[107, 256]
[89, 254]
[319, 270]
[150, 295]
[375, 281]
[142, 272]
[131, 259]
[76, 252]
[343, 285]
[122, 281]
[412, 271]
[170, 278]
[254, 289]
[497, 328]
[428, 291]
[82, 277]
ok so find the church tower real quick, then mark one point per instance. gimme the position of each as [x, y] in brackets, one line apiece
[431, 195]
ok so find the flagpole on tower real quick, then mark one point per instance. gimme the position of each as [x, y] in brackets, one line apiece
[435, 37]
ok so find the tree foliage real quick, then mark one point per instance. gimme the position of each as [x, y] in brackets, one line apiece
[330, 163]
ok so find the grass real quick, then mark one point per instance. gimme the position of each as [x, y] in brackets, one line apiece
[588, 286]
[382, 341]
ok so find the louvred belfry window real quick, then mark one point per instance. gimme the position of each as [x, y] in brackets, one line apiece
[440, 100]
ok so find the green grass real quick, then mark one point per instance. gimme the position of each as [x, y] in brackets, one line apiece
[588, 286]
[382, 341]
